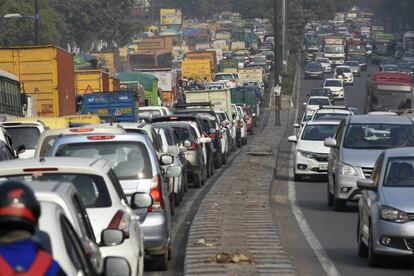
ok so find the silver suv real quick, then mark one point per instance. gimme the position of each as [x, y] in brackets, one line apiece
[356, 146]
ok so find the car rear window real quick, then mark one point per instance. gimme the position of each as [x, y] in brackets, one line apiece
[26, 136]
[183, 133]
[129, 160]
[318, 132]
[92, 188]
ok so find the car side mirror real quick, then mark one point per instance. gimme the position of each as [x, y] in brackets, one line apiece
[187, 144]
[296, 125]
[330, 143]
[293, 139]
[21, 149]
[205, 140]
[173, 171]
[111, 237]
[166, 159]
[141, 200]
[116, 266]
[366, 184]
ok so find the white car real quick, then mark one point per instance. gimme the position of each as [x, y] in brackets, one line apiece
[334, 113]
[344, 73]
[216, 86]
[227, 123]
[311, 155]
[243, 125]
[337, 88]
[228, 78]
[326, 64]
[315, 102]
[154, 111]
[101, 194]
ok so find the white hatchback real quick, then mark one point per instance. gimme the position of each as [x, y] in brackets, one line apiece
[337, 88]
[344, 74]
[326, 64]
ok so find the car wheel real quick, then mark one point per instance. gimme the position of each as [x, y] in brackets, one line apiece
[330, 195]
[362, 248]
[373, 258]
[197, 180]
[172, 204]
[224, 158]
[209, 169]
[212, 168]
[239, 142]
[217, 163]
[161, 262]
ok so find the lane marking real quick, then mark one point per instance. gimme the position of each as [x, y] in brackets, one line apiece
[320, 253]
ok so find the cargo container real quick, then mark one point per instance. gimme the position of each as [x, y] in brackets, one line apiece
[46, 73]
[221, 99]
[91, 81]
[110, 60]
[247, 95]
[200, 55]
[148, 82]
[197, 69]
[252, 74]
[11, 100]
[120, 105]
[167, 84]
[114, 84]
[156, 43]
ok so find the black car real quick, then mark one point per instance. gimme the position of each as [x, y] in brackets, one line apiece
[314, 70]
[320, 91]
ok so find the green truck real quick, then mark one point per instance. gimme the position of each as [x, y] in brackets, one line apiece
[149, 82]
[248, 95]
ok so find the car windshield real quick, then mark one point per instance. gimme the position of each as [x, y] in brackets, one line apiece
[318, 132]
[92, 188]
[318, 101]
[329, 116]
[26, 136]
[333, 83]
[321, 92]
[150, 113]
[378, 136]
[221, 116]
[340, 70]
[224, 77]
[130, 160]
[183, 133]
[400, 172]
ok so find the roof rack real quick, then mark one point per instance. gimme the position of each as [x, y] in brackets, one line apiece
[194, 104]
[340, 107]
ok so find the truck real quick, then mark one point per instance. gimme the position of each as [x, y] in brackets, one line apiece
[110, 60]
[12, 103]
[334, 49]
[47, 74]
[167, 84]
[148, 82]
[355, 47]
[247, 95]
[90, 81]
[201, 55]
[156, 43]
[229, 64]
[383, 45]
[114, 84]
[197, 69]
[252, 75]
[195, 36]
[221, 99]
[122, 106]
[408, 41]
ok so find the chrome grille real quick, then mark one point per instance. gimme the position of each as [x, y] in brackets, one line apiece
[320, 157]
[367, 172]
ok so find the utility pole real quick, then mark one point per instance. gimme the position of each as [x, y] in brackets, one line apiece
[285, 34]
[36, 21]
[278, 59]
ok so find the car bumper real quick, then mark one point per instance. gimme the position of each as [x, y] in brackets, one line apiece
[314, 75]
[156, 233]
[338, 95]
[308, 166]
[128, 250]
[401, 235]
[346, 187]
[327, 69]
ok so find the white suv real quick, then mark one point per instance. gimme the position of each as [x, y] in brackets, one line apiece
[337, 88]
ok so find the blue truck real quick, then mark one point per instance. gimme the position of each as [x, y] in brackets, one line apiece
[119, 106]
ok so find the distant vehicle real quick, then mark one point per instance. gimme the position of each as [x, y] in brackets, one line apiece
[331, 113]
[363, 64]
[316, 101]
[326, 64]
[314, 70]
[344, 73]
[385, 207]
[337, 88]
[354, 150]
[355, 67]
[408, 56]
[311, 156]
[154, 111]
[354, 110]
[216, 86]
[320, 91]
[389, 68]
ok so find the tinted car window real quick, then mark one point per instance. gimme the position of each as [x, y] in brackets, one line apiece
[400, 172]
[333, 83]
[47, 145]
[319, 101]
[183, 133]
[26, 136]
[318, 132]
[130, 160]
[329, 116]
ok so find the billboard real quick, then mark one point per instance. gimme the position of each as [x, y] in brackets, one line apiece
[170, 17]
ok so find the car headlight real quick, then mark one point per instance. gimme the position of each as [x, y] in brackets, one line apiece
[305, 154]
[393, 215]
[345, 169]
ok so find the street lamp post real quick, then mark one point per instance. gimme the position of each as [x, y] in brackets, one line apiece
[35, 17]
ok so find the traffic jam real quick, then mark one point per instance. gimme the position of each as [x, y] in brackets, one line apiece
[353, 141]
[102, 148]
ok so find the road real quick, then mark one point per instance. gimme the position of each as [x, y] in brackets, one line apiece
[335, 231]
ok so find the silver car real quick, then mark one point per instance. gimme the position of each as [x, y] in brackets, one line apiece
[355, 67]
[358, 142]
[386, 207]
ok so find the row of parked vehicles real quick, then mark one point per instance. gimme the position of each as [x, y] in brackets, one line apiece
[111, 189]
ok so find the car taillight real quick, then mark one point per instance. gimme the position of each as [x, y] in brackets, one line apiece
[156, 193]
[213, 136]
[100, 137]
[120, 221]
[194, 146]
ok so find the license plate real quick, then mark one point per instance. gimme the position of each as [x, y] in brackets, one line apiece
[323, 167]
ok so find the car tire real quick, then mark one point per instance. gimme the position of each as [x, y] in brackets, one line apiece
[160, 262]
[330, 195]
[172, 204]
[373, 258]
[224, 158]
[197, 180]
[185, 182]
[212, 168]
[218, 162]
[239, 142]
[362, 248]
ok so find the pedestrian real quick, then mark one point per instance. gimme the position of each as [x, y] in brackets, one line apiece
[19, 215]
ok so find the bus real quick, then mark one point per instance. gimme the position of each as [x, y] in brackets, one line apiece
[389, 91]
[12, 102]
[150, 59]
